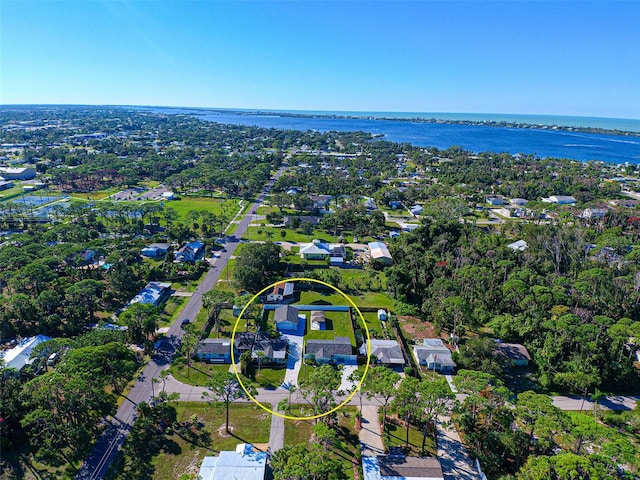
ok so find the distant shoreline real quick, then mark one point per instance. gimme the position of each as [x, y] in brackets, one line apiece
[433, 120]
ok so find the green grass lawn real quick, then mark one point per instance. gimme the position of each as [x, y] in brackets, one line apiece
[172, 309]
[249, 424]
[274, 234]
[338, 323]
[200, 372]
[395, 436]
[228, 207]
[331, 297]
[373, 324]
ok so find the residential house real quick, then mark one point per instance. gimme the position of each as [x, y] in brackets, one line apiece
[386, 352]
[281, 293]
[168, 196]
[518, 245]
[154, 293]
[560, 200]
[394, 234]
[320, 202]
[416, 210]
[289, 320]
[337, 351]
[434, 355]
[6, 185]
[155, 250]
[380, 253]
[244, 463]
[20, 355]
[399, 467]
[19, 173]
[593, 213]
[370, 205]
[409, 227]
[318, 320]
[395, 204]
[190, 252]
[496, 201]
[274, 349]
[519, 202]
[243, 342]
[215, 350]
[318, 250]
[312, 219]
[515, 353]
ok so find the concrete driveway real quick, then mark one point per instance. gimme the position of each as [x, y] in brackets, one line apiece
[456, 462]
[369, 435]
[294, 359]
[347, 385]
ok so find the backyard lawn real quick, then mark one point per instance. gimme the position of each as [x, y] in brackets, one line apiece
[338, 325]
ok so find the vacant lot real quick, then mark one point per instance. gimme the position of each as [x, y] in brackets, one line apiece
[248, 422]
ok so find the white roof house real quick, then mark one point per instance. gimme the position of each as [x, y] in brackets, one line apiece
[560, 200]
[520, 245]
[17, 173]
[18, 356]
[380, 252]
[320, 250]
[243, 464]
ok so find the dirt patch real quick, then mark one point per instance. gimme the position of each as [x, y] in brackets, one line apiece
[416, 329]
[222, 431]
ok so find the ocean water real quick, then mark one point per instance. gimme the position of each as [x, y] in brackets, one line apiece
[542, 142]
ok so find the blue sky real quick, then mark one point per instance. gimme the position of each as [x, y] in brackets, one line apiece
[563, 58]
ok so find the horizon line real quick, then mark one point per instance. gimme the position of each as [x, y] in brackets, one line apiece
[310, 111]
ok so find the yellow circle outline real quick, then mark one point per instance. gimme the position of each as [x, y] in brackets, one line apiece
[366, 329]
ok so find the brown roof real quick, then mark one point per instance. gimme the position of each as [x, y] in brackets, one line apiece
[514, 351]
[414, 467]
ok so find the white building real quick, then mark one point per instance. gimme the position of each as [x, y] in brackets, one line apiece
[20, 173]
[19, 356]
[380, 252]
[560, 200]
[243, 464]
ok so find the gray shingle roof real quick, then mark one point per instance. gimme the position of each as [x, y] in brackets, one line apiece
[286, 313]
[215, 346]
[327, 348]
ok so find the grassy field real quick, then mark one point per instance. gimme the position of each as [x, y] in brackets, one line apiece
[213, 205]
[294, 236]
[172, 309]
[96, 194]
[249, 423]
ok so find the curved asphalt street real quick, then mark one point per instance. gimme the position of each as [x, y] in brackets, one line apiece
[107, 446]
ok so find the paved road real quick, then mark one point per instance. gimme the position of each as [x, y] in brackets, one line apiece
[107, 446]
